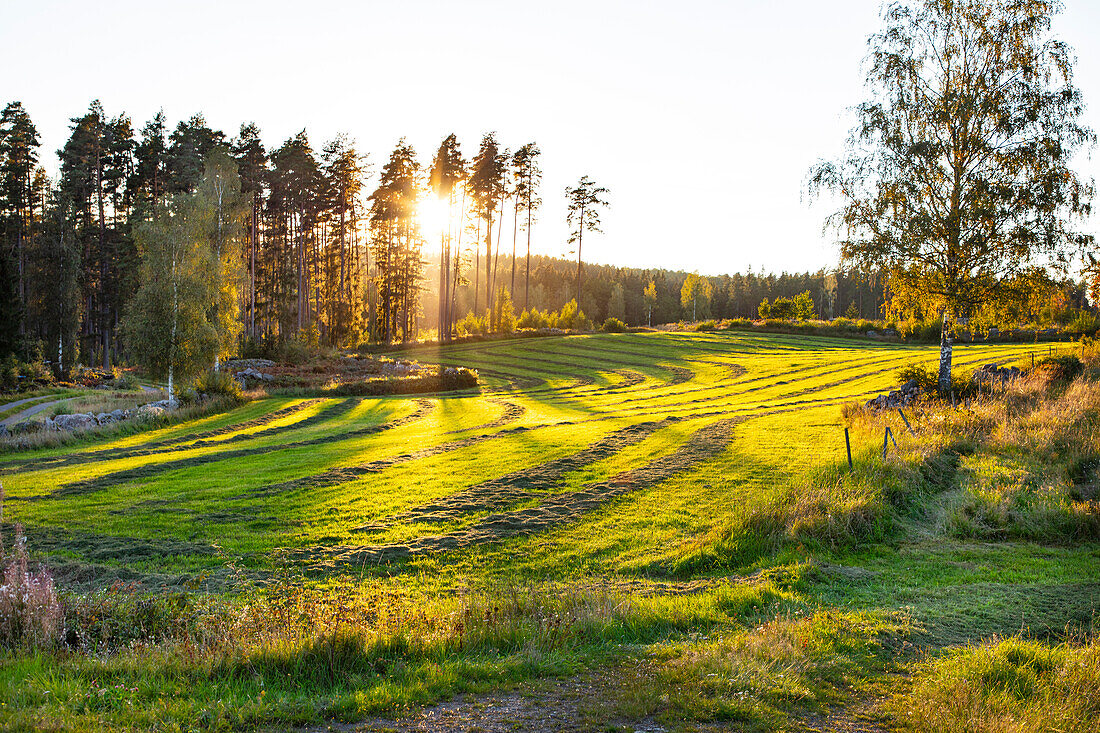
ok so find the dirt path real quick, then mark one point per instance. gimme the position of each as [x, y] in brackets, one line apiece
[541, 706]
[586, 702]
[30, 411]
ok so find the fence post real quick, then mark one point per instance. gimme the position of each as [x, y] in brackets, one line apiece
[848, 446]
[885, 437]
[906, 421]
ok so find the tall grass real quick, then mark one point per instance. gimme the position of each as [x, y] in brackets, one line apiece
[1021, 463]
[1007, 686]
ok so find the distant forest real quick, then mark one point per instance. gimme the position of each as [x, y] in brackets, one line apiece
[309, 251]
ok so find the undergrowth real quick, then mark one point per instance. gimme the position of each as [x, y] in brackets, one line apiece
[1012, 685]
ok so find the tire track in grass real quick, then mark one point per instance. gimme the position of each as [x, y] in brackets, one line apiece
[106, 481]
[549, 511]
[201, 439]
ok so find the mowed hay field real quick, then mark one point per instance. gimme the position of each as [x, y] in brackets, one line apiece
[580, 454]
[609, 491]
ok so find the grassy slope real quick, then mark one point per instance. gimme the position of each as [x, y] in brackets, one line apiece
[225, 496]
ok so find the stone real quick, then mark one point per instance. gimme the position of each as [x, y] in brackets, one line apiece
[150, 410]
[77, 421]
[117, 415]
[253, 374]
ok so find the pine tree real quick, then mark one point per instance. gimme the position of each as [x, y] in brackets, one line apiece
[18, 159]
[528, 176]
[447, 172]
[252, 168]
[583, 215]
[342, 171]
[188, 147]
[396, 243]
[486, 188]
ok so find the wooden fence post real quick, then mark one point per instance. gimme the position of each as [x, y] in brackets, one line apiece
[848, 446]
[906, 421]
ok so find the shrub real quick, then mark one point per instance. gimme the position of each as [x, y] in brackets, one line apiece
[706, 326]
[1064, 367]
[471, 325]
[925, 379]
[534, 319]
[572, 318]
[218, 383]
[614, 325]
[928, 381]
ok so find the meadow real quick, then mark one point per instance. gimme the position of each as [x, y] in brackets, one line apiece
[671, 514]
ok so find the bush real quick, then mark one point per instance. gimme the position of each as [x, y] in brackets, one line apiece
[614, 325]
[571, 318]
[926, 380]
[16, 375]
[534, 319]
[218, 383]
[706, 326]
[1064, 367]
[471, 325]
[446, 380]
[124, 381]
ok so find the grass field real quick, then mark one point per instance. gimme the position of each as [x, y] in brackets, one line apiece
[616, 483]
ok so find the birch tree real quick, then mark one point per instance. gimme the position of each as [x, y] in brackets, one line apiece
[957, 175]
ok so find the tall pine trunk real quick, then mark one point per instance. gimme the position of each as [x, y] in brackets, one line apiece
[580, 241]
[515, 231]
[527, 268]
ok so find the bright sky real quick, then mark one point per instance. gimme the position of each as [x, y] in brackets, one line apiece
[702, 118]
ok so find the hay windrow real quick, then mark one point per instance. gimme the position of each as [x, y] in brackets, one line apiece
[550, 511]
[100, 483]
[194, 440]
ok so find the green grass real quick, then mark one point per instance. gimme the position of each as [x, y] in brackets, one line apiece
[759, 579]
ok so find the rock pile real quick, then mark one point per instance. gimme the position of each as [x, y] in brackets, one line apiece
[85, 420]
[232, 364]
[251, 373]
[909, 392]
[994, 374]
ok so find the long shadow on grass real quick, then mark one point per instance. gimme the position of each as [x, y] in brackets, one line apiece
[193, 440]
[344, 474]
[106, 481]
[549, 510]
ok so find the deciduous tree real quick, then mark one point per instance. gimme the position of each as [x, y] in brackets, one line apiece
[958, 172]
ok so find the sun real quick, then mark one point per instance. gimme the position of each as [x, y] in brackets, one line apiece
[433, 213]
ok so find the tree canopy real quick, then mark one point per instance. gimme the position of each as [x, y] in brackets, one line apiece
[957, 177]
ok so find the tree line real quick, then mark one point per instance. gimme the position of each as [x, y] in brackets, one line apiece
[317, 254]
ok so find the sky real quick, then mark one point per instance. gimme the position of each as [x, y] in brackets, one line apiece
[702, 118]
